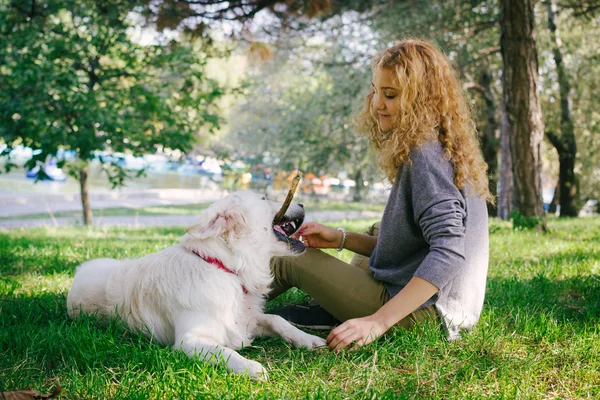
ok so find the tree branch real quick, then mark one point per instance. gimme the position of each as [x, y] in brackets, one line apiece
[555, 141]
[581, 8]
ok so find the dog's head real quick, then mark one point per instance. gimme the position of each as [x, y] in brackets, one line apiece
[248, 217]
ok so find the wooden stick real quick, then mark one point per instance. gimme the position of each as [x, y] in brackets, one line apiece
[288, 199]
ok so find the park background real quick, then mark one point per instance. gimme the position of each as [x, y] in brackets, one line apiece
[140, 113]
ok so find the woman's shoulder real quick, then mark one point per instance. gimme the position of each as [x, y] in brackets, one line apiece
[430, 150]
[429, 157]
[429, 174]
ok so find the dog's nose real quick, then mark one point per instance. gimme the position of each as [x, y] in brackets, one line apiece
[301, 205]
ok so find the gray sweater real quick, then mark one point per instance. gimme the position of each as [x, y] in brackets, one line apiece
[432, 230]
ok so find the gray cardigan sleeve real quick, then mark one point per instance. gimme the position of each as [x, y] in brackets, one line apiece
[439, 211]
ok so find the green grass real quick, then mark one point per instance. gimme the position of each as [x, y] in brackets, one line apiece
[182, 209]
[539, 335]
[194, 209]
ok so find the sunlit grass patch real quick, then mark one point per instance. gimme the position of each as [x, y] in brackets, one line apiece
[30, 284]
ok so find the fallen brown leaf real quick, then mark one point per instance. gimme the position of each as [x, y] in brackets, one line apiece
[28, 394]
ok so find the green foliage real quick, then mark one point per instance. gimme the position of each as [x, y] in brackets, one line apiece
[540, 315]
[73, 79]
[302, 115]
[301, 105]
[520, 222]
[581, 60]
[321, 64]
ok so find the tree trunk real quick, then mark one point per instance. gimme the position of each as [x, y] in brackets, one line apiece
[85, 198]
[359, 185]
[489, 140]
[524, 115]
[505, 174]
[564, 142]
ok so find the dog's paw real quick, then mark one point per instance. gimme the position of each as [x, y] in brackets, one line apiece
[257, 371]
[316, 342]
[309, 342]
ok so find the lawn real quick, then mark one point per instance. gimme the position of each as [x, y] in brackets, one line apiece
[195, 208]
[539, 336]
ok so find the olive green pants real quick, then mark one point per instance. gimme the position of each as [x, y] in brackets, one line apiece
[345, 290]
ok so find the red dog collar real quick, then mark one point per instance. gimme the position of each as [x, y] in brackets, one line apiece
[219, 264]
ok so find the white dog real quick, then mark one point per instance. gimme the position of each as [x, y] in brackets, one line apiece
[204, 296]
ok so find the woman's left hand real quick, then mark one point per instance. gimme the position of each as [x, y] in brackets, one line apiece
[357, 332]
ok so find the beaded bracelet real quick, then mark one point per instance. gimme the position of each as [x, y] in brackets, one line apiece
[343, 239]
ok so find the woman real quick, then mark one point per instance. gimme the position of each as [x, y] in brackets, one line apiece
[430, 258]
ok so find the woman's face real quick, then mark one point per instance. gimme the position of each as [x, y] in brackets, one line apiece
[385, 102]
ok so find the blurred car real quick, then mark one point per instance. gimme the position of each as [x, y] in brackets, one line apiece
[207, 167]
[47, 172]
[590, 208]
[547, 197]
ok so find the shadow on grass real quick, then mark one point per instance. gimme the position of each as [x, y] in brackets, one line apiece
[47, 256]
[570, 300]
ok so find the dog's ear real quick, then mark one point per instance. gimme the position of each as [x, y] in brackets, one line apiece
[224, 223]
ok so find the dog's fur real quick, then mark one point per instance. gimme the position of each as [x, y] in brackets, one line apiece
[190, 304]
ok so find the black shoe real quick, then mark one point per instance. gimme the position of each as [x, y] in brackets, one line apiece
[307, 315]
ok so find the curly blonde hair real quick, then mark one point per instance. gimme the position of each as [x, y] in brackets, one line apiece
[431, 103]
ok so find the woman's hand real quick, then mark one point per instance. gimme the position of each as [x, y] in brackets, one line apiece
[361, 331]
[318, 236]
[356, 332]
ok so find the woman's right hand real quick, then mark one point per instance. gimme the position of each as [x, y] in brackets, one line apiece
[319, 236]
